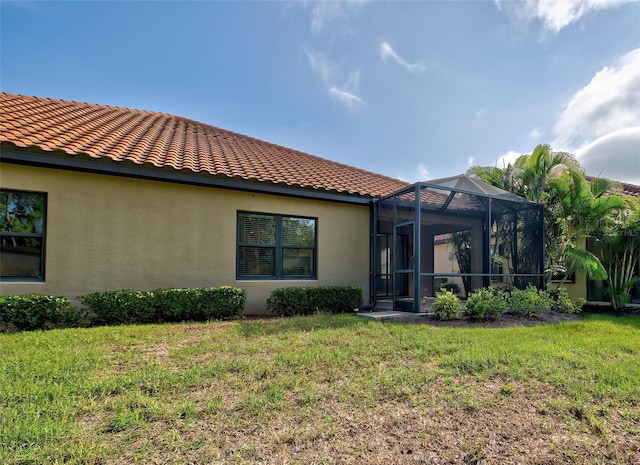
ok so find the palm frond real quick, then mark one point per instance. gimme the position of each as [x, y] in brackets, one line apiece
[584, 260]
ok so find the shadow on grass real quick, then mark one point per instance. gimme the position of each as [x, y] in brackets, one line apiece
[280, 325]
[626, 319]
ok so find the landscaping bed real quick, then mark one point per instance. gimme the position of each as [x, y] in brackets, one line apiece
[504, 320]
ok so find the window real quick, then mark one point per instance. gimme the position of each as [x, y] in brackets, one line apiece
[22, 228]
[561, 276]
[276, 246]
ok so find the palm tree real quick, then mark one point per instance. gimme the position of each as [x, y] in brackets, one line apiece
[583, 206]
[538, 169]
[619, 250]
[529, 177]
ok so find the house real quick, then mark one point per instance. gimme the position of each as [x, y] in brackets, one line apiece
[95, 197]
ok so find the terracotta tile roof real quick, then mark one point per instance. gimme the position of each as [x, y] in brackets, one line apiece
[627, 189]
[162, 140]
[630, 189]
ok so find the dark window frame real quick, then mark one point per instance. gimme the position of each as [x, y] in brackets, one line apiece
[278, 247]
[566, 278]
[41, 235]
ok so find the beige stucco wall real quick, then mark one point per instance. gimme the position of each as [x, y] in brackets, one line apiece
[577, 289]
[444, 263]
[106, 232]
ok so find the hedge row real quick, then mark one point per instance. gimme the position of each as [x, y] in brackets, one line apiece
[289, 301]
[34, 311]
[164, 305]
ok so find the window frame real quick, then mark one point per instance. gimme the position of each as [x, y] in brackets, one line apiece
[279, 247]
[42, 236]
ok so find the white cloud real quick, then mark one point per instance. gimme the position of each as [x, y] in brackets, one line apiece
[611, 101]
[319, 63]
[535, 133]
[470, 162]
[422, 172]
[419, 174]
[510, 157]
[615, 155]
[386, 51]
[555, 14]
[601, 123]
[345, 97]
[326, 70]
[481, 112]
[326, 12]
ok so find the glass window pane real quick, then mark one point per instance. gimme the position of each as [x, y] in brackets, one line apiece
[297, 262]
[21, 257]
[257, 261]
[298, 231]
[22, 212]
[257, 229]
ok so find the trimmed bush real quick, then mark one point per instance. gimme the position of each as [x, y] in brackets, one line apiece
[485, 304]
[200, 304]
[447, 306]
[36, 311]
[562, 302]
[289, 301]
[119, 307]
[164, 305]
[529, 301]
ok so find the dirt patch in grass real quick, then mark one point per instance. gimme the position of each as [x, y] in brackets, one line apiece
[494, 425]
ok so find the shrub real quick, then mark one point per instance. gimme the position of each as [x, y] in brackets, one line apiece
[529, 301]
[485, 304]
[289, 301]
[562, 302]
[119, 307]
[447, 306]
[451, 287]
[200, 304]
[36, 311]
[164, 305]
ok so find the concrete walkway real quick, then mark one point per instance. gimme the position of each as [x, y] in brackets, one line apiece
[391, 315]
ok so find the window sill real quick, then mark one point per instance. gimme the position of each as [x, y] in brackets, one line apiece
[275, 280]
[22, 280]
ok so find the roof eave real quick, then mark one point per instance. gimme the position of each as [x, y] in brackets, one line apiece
[34, 156]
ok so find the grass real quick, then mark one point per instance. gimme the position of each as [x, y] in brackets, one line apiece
[322, 389]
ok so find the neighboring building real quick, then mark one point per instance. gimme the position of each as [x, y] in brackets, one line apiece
[94, 197]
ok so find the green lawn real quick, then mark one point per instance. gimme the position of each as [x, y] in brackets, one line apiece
[322, 390]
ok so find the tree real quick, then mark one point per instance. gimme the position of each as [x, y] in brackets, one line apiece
[572, 205]
[529, 177]
[618, 241]
[583, 206]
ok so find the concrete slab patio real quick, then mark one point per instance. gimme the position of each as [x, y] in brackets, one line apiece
[391, 315]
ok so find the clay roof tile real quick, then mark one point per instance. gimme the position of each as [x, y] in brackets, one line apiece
[162, 140]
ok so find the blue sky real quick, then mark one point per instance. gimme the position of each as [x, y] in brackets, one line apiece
[413, 90]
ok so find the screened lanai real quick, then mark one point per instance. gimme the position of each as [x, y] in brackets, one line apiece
[458, 233]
